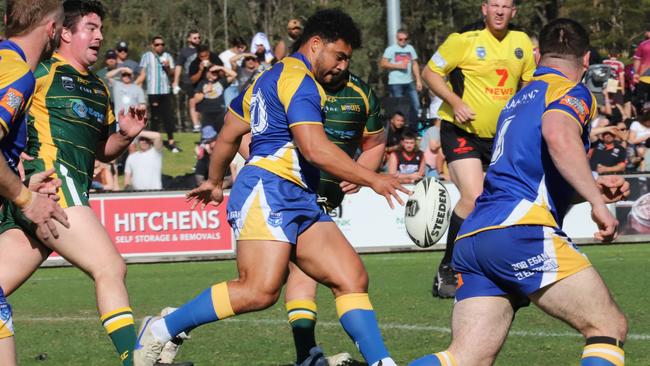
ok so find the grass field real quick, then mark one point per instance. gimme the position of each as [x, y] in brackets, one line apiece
[54, 313]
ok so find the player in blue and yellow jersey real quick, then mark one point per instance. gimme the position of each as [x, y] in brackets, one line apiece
[273, 206]
[511, 249]
[31, 28]
[484, 68]
[69, 123]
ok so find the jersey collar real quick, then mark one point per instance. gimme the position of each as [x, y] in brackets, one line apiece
[8, 44]
[543, 70]
[60, 57]
[302, 58]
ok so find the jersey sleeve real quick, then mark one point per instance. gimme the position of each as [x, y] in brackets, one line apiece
[529, 60]
[16, 89]
[447, 57]
[302, 98]
[578, 103]
[374, 123]
[241, 105]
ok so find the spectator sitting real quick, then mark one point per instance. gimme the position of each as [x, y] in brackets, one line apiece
[110, 62]
[103, 178]
[408, 161]
[634, 160]
[395, 129]
[261, 47]
[209, 95]
[143, 168]
[247, 72]
[608, 156]
[205, 148]
[430, 146]
[125, 92]
[640, 132]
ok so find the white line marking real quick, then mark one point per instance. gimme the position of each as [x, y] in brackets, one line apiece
[390, 326]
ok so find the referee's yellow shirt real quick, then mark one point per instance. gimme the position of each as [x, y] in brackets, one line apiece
[490, 69]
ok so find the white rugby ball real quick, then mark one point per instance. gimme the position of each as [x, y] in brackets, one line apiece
[427, 213]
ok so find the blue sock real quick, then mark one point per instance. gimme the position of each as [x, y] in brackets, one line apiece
[211, 305]
[359, 321]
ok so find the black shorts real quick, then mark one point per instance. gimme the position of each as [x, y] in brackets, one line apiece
[459, 144]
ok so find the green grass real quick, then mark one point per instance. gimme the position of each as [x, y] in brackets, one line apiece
[182, 162]
[54, 313]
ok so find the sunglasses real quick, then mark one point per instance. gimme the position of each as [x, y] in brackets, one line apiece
[158, 44]
[403, 39]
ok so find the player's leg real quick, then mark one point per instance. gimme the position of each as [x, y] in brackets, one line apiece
[7, 342]
[20, 257]
[300, 301]
[583, 301]
[324, 254]
[262, 267]
[472, 319]
[87, 246]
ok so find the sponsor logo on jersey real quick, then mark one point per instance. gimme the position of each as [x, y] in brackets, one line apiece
[438, 60]
[577, 105]
[481, 52]
[340, 135]
[351, 108]
[275, 219]
[12, 100]
[80, 109]
[67, 83]
[259, 122]
[519, 53]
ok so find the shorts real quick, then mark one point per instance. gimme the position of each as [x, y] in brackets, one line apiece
[264, 206]
[516, 260]
[6, 321]
[74, 183]
[12, 217]
[330, 194]
[459, 144]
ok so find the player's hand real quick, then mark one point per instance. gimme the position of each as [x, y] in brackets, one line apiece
[208, 193]
[613, 188]
[607, 223]
[387, 186]
[44, 183]
[349, 188]
[42, 211]
[463, 113]
[132, 121]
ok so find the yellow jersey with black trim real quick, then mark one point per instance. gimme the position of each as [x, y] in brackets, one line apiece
[484, 72]
[70, 115]
[285, 96]
[16, 89]
[522, 185]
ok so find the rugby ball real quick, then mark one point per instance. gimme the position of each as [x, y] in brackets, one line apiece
[427, 213]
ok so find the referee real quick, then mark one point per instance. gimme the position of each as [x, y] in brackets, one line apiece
[484, 68]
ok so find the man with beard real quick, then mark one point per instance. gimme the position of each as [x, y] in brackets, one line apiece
[182, 80]
[69, 126]
[31, 28]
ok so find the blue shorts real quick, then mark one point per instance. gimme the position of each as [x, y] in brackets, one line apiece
[264, 206]
[516, 260]
[6, 322]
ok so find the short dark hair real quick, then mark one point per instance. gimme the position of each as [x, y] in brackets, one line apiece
[192, 31]
[397, 113]
[154, 38]
[202, 48]
[402, 30]
[331, 25]
[237, 41]
[563, 38]
[74, 10]
[408, 135]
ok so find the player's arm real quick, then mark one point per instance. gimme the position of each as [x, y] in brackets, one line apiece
[562, 136]
[131, 123]
[372, 153]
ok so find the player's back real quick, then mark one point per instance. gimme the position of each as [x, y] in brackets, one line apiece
[285, 96]
[16, 89]
[522, 186]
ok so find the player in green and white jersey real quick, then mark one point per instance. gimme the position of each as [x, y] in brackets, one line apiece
[353, 122]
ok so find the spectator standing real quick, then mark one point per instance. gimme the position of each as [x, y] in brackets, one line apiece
[143, 168]
[608, 156]
[182, 80]
[616, 87]
[492, 61]
[110, 63]
[203, 61]
[247, 72]
[261, 47]
[401, 61]
[125, 93]
[283, 47]
[157, 67]
[123, 59]
[642, 70]
[237, 47]
[430, 147]
[408, 161]
[209, 95]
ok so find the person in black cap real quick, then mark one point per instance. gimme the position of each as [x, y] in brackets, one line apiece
[110, 63]
[123, 59]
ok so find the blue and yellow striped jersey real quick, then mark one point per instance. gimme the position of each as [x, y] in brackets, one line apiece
[282, 97]
[522, 185]
[16, 89]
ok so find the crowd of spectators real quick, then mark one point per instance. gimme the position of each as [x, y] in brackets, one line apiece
[205, 82]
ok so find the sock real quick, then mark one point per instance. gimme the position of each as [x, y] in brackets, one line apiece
[439, 359]
[211, 305]
[385, 362]
[120, 327]
[454, 227]
[302, 318]
[358, 319]
[603, 351]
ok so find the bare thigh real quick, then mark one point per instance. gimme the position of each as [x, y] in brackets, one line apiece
[467, 175]
[325, 255]
[8, 351]
[299, 285]
[20, 257]
[479, 326]
[583, 301]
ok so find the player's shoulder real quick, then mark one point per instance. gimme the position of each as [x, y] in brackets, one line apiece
[359, 83]
[294, 73]
[11, 62]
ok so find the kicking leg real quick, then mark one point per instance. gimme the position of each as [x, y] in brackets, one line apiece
[300, 301]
